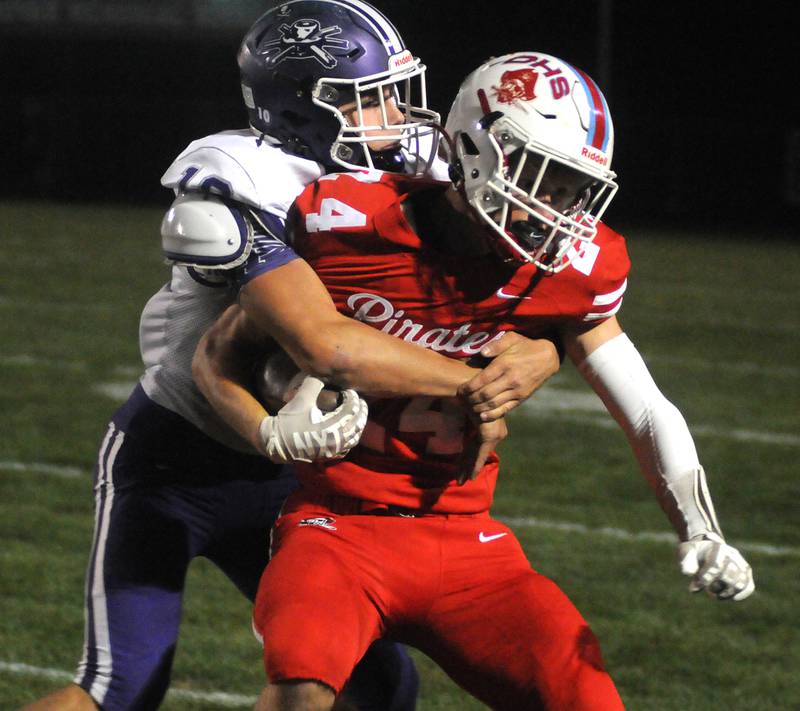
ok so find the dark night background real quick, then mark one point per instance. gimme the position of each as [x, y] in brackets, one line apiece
[703, 95]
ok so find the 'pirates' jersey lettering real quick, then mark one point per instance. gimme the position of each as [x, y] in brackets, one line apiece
[383, 273]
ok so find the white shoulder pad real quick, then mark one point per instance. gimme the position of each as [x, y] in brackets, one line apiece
[244, 167]
[202, 231]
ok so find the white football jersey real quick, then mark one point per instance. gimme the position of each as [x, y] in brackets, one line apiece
[244, 167]
[235, 164]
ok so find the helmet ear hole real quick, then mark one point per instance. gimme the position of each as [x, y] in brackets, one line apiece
[355, 53]
[468, 144]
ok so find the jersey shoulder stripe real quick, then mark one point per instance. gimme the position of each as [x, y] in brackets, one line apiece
[269, 251]
[611, 300]
[609, 281]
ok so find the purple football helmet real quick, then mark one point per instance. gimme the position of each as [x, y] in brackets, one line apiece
[305, 59]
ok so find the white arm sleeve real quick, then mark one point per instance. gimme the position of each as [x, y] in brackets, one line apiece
[657, 433]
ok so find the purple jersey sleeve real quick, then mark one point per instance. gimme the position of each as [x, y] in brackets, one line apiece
[269, 252]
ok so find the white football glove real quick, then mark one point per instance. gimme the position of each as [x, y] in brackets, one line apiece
[716, 567]
[301, 432]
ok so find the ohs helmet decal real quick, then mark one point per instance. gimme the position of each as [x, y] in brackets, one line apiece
[305, 39]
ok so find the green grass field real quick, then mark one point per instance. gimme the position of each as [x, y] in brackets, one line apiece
[718, 328]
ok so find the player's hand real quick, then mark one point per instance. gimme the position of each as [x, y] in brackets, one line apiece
[716, 567]
[489, 435]
[301, 432]
[519, 366]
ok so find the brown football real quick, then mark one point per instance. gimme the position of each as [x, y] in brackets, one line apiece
[273, 383]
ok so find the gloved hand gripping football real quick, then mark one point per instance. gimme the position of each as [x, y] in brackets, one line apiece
[302, 432]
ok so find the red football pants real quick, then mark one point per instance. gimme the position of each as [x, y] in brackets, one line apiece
[459, 588]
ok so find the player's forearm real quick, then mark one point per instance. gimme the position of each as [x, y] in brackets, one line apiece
[223, 376]
[291, 305]
[354, 355]
[657, 432]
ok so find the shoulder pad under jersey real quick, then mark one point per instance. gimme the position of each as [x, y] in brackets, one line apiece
[203, 231]
[243, 167]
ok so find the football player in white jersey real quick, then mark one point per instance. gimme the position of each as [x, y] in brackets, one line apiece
[328, 85]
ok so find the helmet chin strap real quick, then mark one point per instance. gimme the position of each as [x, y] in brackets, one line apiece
[390, 160]
[529, 237]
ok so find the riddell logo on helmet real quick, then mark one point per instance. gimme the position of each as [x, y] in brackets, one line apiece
[400, 60]
[595, 156]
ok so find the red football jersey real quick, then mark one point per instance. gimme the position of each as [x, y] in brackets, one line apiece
[352, 229]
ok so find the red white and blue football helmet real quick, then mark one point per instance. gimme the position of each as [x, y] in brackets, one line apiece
[304, 59]
[532, 133]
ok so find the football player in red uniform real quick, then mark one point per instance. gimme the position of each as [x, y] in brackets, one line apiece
[389, 541]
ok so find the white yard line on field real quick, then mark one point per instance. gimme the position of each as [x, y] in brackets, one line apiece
[128, 371]
[738, 368]
[42, 468]
[787, 440]
[730, 323]
[605, 422]
[24, 360]
[583, 407]
[46, 305]
[220, 698]
[42, 673]
[117, 391]
[634, 537]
